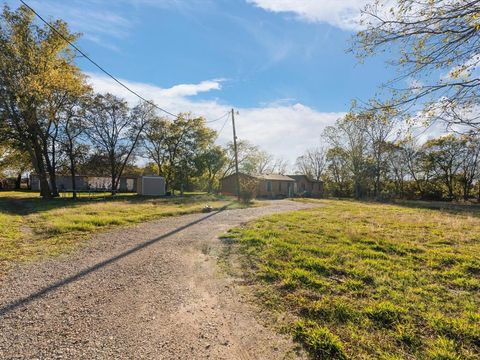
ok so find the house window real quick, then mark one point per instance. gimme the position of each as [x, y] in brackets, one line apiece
[269, 186]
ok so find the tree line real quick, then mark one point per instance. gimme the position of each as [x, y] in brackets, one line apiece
[52, 122]
[365, 156]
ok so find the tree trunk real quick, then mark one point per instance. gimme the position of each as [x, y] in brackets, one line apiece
[114, 187]
[467, 187]
[52, 174]
[74, 182]
[39, 166]
[18, 181]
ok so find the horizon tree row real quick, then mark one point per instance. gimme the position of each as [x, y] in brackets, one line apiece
[366, 156]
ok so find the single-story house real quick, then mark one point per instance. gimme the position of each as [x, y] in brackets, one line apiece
[304, 185]
[263, 185]
[85, 182]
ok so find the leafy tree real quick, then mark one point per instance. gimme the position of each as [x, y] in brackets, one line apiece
[396, 168]
[71, 135]
[114, 130]
[350, 135]
[36, 69]
[435, 47]
[248, 155]
[175, 145]
[211, 162]
[444, 155]
[337, 175]
[470, 164]
[13, 163]
[154, 142]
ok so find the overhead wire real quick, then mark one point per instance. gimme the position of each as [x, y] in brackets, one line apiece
[223, 126]
[219, 118]
[104, 70]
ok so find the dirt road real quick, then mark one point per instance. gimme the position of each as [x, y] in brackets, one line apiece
[153, 291]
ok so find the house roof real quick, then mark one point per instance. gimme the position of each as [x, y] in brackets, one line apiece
[273, 177]
[299, 176]
[270, 177]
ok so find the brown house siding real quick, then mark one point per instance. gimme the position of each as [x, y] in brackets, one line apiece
[265, 188]
[277, 188]
[304, 184]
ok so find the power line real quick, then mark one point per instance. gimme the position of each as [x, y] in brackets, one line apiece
[219, 118]
[225, 123]
[102, 69]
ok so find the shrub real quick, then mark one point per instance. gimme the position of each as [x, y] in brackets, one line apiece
[246, 196]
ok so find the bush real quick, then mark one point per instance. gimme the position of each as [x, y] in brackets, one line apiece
[246, 197]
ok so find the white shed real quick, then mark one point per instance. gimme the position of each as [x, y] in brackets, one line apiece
[151, 185]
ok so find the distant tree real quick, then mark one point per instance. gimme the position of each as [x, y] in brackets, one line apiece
[396, 167]
[114, 131]
[188, 137]
[36, 69]
[350, 135]
[379, 126]
[154, 142]
[312, 163]
[279, 166]
[435, 47]
[444, 155]
[248, 158]
[337, 172]
[211, 162]
[71, 131]
[14, 162]
[470, 164]
[175, 145]
[260, 162]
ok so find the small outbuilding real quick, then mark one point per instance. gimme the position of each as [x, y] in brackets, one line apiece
[151, 185]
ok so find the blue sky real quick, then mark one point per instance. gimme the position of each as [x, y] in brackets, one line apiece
[282, 63]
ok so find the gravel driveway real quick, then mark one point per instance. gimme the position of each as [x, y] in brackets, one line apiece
[151, 291]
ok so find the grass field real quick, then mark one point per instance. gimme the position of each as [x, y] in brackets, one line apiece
[32, 228]
[370, 281]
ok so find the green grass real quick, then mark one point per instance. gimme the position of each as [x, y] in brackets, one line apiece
[370, 281]
[31, 228]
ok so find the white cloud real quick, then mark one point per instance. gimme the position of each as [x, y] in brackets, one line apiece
[283, 129]
[344, 14]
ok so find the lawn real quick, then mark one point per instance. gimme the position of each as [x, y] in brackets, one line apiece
[32, 228]
[370, 281]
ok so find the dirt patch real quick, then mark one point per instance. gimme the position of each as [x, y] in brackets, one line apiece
[151, 291]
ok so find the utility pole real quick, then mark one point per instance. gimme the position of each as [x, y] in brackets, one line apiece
[236, 155]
